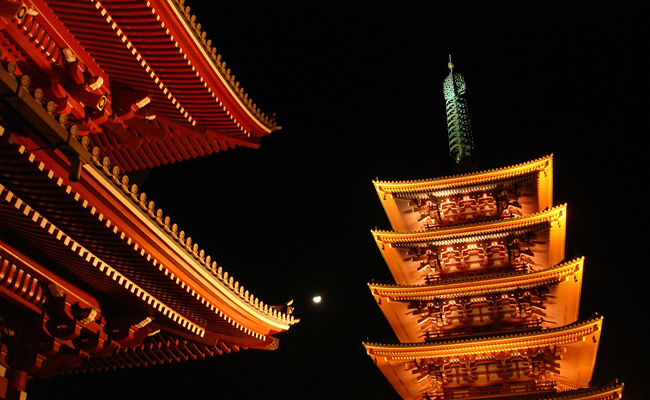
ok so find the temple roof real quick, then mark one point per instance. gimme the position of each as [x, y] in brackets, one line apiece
[463, 182]
[397, 197]
[166, 95]
[459, 233]
[560, 309]
[128, 250]
[395, 246]
[158, 47]
[610, 391]
[482, 344]
[495, 283]
[580, 341]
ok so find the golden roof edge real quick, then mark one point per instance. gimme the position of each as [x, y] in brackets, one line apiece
[432, 232]
[574, 261]
[200, 36]
[462, 177]
[140, 199]
[595, 320]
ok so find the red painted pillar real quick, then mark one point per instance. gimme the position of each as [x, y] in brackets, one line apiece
[16, 384]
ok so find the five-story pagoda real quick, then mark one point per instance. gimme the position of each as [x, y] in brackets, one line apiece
[484, 304]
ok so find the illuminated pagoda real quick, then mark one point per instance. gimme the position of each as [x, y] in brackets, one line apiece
[94, 276]
[484, 303]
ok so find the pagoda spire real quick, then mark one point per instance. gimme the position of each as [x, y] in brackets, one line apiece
[461, 143]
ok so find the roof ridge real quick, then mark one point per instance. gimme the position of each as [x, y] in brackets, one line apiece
[140, 199]
[467, 174]
[200, 35]
[580, 393]
[480, 278]
[577, 324]
[473, 224]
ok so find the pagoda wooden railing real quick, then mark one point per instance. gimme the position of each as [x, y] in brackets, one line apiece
[467, 331]
[503, 389]
[431, 279]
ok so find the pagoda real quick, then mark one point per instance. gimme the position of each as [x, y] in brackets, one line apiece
[93, 275]
[484, 303]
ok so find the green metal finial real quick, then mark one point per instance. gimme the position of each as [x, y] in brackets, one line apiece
[461, 143]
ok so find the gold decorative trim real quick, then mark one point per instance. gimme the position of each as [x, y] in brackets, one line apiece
[172, 230]
[459, 232]
[479, 285]
[452, 348]
[201, 36]
[472, 178]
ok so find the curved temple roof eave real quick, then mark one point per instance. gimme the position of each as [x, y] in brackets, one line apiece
[463, 230]
[152, 219]
[277, 321]
[462, 287]
[175, 4]
[451, 347]
[388, 187]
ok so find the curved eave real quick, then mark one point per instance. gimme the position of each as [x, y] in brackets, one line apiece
[58, 244]
[211, 66]
[154, 50]
[155, 350]
[480, 345]
[458, 232]
[560, 309]
[201, 270]
[611, 391]
[543, 164]
[580, 341]
[183, 269]
[477, 286]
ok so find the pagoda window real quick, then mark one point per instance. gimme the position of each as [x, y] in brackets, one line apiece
[487, 206]
[451, 258]
[449, 211]
[468, 208]
[474, 256]
[497, 254]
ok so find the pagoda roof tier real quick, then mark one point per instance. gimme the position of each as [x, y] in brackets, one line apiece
[397, 196]
[548, 226]
[101, 233]
[153, 62]
[559, 309]
[577, 343]
[612, 391]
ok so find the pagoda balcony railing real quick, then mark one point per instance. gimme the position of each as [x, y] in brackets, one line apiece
[435, 278]
[430, 223]
[468, 331]
[495, 391]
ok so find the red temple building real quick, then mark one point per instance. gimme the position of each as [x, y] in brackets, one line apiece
[484, 303]
[94, 276]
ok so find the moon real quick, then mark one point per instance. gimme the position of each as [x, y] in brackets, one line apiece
[317, 299]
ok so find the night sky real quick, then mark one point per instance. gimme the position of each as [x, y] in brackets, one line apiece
[358, 91]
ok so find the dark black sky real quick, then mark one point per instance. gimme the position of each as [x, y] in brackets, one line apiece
[358, 91]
